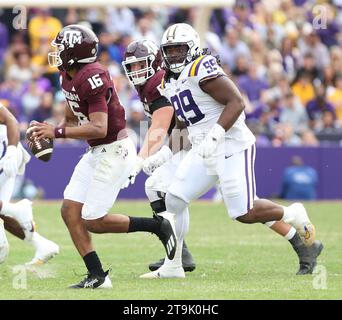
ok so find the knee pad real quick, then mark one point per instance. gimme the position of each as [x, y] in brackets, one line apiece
[157, 200]
[4, 250]
[158, 206]
[174, 204]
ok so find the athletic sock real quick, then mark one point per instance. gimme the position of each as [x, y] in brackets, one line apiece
[93, 263]
[290, 234]
[296, 241]
[144, 224]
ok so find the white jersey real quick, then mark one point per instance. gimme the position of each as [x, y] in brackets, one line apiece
[3, 137]
[3, 140]
[199, 110]
[23, 156]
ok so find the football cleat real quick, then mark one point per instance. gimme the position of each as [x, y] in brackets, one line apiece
[45, 252]
[187, 262]
[165, 272]
[308, 257]
[93, 281]
[303, 224]
[167, 233]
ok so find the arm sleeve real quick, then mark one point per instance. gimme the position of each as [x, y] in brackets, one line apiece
[159, 103]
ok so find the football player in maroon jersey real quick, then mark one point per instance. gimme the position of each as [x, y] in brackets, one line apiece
[142, 65]
[94, 113]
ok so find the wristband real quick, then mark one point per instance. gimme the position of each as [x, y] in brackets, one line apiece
[59, 132]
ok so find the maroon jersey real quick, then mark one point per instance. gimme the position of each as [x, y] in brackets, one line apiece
[151, 98]
[92, 90]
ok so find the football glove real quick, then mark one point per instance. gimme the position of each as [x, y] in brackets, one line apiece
[10, 161]
[136, 170]
[157, 159]
[206, 149]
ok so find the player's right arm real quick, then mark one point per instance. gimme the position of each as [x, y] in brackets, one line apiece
[156, 134]
[95, 128]
[215, 83]
[70, 120]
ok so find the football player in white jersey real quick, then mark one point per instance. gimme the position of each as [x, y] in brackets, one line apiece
[17, 217]
[223, 150]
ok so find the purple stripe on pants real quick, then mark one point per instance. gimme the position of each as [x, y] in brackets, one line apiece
[253, 177]
[247, 179]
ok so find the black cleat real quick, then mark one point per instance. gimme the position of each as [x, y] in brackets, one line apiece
[93, 281]
[167, 233]
[308, 257]
[187, 261]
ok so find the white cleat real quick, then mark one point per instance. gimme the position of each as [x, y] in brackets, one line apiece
[45, 252]
[107, 284]
[165, 272]
[303, 224]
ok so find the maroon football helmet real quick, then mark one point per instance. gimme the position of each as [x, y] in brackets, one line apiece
[142, 60]
[74, 44]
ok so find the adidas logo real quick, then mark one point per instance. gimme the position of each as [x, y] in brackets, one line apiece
[73, 89]
[103, 150]
[91, 283]
[170, 245]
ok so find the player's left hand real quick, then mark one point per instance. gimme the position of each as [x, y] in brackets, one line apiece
[43, 130]
[208, 146]
[156, 160]
[9, 162]
[136, 170]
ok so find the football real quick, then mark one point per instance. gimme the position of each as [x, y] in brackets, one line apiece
[42, 149]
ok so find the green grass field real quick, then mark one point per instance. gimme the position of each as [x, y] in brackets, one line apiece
[234, 261]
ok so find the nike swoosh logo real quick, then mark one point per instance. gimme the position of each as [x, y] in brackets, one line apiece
[227, 157]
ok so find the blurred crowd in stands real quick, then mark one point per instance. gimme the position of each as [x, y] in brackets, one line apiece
[284, 55]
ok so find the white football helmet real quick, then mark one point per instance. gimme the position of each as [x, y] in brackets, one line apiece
[180, 43]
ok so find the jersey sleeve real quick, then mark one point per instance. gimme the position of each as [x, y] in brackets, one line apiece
[96, 90]
[159, 103]
[151, 92]
[205, 68]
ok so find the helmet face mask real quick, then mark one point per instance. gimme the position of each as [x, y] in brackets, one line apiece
[139, 70]
[142, 60]
[54, 57]
[180, 44]
[176, 56]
